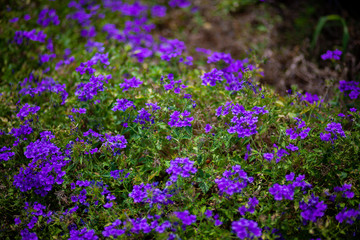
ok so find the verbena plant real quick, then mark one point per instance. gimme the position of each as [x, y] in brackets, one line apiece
[110, 132]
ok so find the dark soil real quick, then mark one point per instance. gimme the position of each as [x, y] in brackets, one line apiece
[279, 32]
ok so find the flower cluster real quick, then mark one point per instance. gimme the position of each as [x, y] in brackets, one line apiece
[87, 66]
[252, 203]
[299, 131]
[346, 190]
[278, 152]
[178, 119]
[115, 143]
[122, 105]
[79, 110]
[112, 231]
[46, 85]
[130, 83]
[331, 55]
[143, 117]
[47, 16]
[310, 98]
[350, 88]
[186, 217]
[5, 154]
[176, 85]
[20, 132]
[44, 170]
[180, 167]
[212, 77]
[245, 228]
[348, 215]
[26, 110]
[281, 192]
[83, 234]
[31, 35]
[233, 181]
[171, 48]
[209, 215]
[87, 91]
[116, 174]
[243, 122]
[148, 193]
[333, 130]
[313, 209]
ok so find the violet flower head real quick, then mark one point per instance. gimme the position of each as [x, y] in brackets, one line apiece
[122, 105]
[313, 209]
[233, 181]
[171, 48]
[212, 77]
[299, 131]
[181, 167]
[5, 154]
[148, 193]
[158, 11]
[350, 88]
[333, 131]
[347, 215]
[178, 119]
[245, 228]
[26, 110]
[208, 128]
[130, 83]
[186, 217]
[331, 55]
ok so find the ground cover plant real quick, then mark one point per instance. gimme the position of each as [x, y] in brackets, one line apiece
[110, 131]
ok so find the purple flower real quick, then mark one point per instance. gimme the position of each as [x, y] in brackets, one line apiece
[27, 17]
[299, 131]
[179, 3]
[290, 177]
[185, 217]
[130, 83]
[171, 48]
[181, 167]
[87, 91]
[208, 213]
[281, 192]
[207, 128]
[178, 119]
[79, 110]
[268, 156]
[83, 234]
[176, 85]
[122, 105]
[17, 221]
[108, 205]
[233, 181]
[313, 209]
[168, 137]
[218, 56]
[212, 77]
[47, 16]
[143, 117]
[350, 88]
[148, 193]
[347, 215]
[353, 110]
[245, 228]
[158, 11]
[332, 131]
[14, 20]
[292, 147]
[5, 156]
[331, 55]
